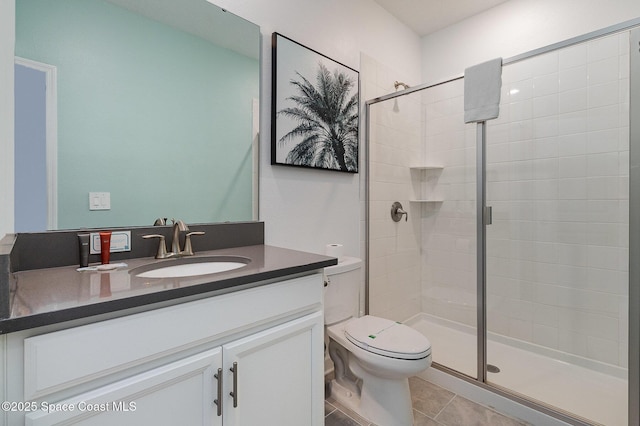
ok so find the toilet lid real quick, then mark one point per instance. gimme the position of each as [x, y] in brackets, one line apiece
[388, 338]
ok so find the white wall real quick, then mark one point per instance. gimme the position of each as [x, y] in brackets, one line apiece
[515, 27]
[7, 36]
[302, 208]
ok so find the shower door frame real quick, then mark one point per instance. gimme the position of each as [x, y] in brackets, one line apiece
[483, 217]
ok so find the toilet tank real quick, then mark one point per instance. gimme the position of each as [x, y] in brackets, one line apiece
[343, 285]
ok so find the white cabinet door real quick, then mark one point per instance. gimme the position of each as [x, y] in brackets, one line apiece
[278, 376]
[179, 393]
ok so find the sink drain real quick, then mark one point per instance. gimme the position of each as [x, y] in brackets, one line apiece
[492, 369]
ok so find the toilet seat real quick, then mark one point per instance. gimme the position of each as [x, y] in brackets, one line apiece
[387, 338]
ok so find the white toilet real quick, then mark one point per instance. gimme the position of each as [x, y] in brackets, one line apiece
[373, 357]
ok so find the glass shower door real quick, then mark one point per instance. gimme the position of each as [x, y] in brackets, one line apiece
[557, 250]
[449, 276]
[422, 270]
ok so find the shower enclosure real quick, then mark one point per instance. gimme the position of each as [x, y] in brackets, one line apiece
[515, 256]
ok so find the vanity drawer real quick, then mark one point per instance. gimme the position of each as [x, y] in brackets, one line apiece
[66, 358]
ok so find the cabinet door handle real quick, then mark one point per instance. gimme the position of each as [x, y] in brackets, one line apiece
[218, 401]
[234, 394]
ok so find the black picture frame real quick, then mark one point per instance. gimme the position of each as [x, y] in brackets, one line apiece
[315, 109]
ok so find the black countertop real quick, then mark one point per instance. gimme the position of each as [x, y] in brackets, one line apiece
[52, 295]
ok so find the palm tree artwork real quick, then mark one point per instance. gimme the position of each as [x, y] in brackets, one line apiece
[326, 121]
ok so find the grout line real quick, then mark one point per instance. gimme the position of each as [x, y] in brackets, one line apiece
[423, 413]
[330, 412]
[446, 405]
[428, 416]
[347, 415]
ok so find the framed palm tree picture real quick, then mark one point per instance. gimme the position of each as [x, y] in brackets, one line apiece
[314, 109]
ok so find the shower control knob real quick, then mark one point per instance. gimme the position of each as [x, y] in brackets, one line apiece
[397, 212]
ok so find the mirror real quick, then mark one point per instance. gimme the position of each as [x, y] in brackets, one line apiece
[157, 104]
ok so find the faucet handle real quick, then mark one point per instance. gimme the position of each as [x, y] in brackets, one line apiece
[188, 250]
[162, 247]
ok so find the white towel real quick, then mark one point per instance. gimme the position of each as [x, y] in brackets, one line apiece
[482, 85]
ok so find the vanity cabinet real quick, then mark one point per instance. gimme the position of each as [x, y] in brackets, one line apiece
[244, 358]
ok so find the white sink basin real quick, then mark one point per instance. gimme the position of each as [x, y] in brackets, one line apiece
[194, 267]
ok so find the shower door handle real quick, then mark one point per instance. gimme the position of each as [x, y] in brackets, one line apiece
[488, 215]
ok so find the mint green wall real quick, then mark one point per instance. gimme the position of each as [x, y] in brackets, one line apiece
[172, 138]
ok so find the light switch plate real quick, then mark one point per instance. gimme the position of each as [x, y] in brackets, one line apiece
[99, 201]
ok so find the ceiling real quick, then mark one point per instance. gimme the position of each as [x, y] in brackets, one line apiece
[427, 16]
[202, 19]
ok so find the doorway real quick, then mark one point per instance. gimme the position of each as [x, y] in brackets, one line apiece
[35, 206]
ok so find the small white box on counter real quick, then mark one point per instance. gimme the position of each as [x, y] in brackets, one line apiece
[120, 241]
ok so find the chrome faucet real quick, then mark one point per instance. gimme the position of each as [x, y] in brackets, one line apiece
[161, 221]
[178, 226]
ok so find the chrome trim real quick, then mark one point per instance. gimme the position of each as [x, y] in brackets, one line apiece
[367, 204]
[634, 227]
[409, 91]
[481, 249]
[488, 215]
[627, 25]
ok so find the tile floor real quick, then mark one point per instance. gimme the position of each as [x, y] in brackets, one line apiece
[432, 406]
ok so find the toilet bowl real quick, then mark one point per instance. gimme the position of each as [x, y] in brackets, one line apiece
[372, 366]
[373, 357]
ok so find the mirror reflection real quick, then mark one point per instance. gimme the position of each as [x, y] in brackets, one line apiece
[150, 106]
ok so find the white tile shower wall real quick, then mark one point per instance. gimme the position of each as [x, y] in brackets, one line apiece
[558, 182]
[394, 247]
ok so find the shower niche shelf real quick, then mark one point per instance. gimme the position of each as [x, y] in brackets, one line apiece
[427, 176]
[426, 167]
